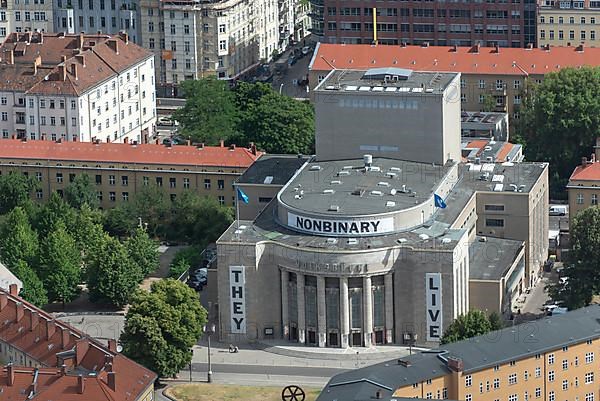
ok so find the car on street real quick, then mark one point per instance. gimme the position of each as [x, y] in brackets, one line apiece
[558, 210]
[306, 50]
[550, 308]
[167, 121]
[200, 275]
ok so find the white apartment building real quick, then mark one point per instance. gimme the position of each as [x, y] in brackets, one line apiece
[25, 16]
[294, 22]
[192, 39]
[76, 88]
[92, 16]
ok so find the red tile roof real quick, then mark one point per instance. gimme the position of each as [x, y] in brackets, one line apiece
[216, 156]
[487, 60]
[53, 343]
[589, 172]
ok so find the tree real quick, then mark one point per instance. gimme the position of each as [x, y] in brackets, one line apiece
[81, 192]
[209, 113]
[18, 240]
[143, 251]
[496, 321]
[489, 103]
[112, 275]
[60, 265]
[162, 326]
[86, 229]
[153, 206]
[561, 120]
[279, 124]
[33, 289]
[474, 323]
[583, 266]
[51, 214]
[15, 190]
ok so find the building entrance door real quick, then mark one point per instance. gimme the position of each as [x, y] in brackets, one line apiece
[312, 337]
[356, 338]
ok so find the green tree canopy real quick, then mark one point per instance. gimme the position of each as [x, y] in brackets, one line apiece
[81, 192]
[209, 113]
[143, 251]
[560, 122]
[162, 326]
[583, 266]
[18, 240]
[15, 190]
[496, 321]
[33, 289]
[60, 265]
[52, 213]
[112, 275]
[474, 323]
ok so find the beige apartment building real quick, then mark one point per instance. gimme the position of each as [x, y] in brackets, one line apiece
[584, 184]
[489, 75]
[551, 359]
[120, 170]
[566, 23]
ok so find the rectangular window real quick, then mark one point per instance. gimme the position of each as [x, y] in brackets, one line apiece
[125, 196]
[221, 200]
[512, 378]
[495, 208]
[145, 181]
[207, 183]
[172, 182]
[551, 376]
[565, 364]
[538, 392]
[538, 371]
[589, 356]
[59, 177]
[221, 184]
[159, 181]
[580, 199]
[589, 377]
[496, 383]
[124, 180]
[494, 222]
[112, 196]
[186, 183]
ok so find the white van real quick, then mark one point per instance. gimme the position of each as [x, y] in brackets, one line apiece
[558, 210]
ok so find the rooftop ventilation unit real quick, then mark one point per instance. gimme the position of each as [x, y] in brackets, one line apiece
[336, 182]
[395, 169]
[390, 204]
[332, 241]
[344, 172]
[352, 241]
[376, 193]
[401, 240]
[334, 208]
[446, 240]
[388, 73]
[368, 160]
[390, 175]
[424, 237]
[328, 192]
[383, 184]
[315, 168]
[393, 191]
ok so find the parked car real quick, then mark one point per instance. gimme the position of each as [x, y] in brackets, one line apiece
[167, 121]
[558, 210]
[306, 50]
[200, 275]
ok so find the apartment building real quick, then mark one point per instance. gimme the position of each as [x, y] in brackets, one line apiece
[119, 170]
[568, 23]
[492, 23]
[555, 358]
[192, 39]
[584, 184]
[25, 16]
[76, 88]
[500, 74]
[294, 22]
[50, 360]
[92, 16]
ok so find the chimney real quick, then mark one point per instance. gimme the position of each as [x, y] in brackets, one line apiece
[35, 320]
[3, 300]
[10, 372]
[63, 370]
[80, 384]
[74, 71]
[63, 58]
[19, 311]
[81, 59]
[113, 44]
[124, 36]
[81, 348]
[112, 345]
[80, 40]
[593, 158]
[456, 364]
[253, 149]
[11, 57]
[62, 72]
[41, 37]
[378, 395]
[50, 329]
[475, 48]
[404, 362]
[584, 161]
[189, 142]
[108, 363]
[530, 46]
[579, 48]
[496, 49]
[28, 37]
[13, 290]
[65, 337]
[232, 146]
[222, 143]
[425, 44]
[454, 49]
[110, 380]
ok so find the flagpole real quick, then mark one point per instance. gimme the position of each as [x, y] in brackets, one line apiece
[237, 207]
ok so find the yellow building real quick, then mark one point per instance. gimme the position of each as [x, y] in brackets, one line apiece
[584, 184]
[120, 170]
[552, 359]
[568, 26]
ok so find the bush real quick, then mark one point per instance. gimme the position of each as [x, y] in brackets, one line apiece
[184, 259]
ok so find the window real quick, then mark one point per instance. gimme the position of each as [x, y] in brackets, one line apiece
[579, 196]
[221, 200]
[538, 371]
[111, 180]
[565, 364]
[538, 392]
[59, 177]
[71, 177]
[468, 397]
[576, 361]
[589, 356]
[513, 397]
[565, 385]
[499, 84]
[124, 180]
[481, 84]
[594, 202]
[494, 222]
[551, 396]
[159, 181]
[207, 186]
[589, 377]
[512, 378]
[517, 99]
[551, 376]
[172, 182]
[145, 181]
[186, 183]
[125, 196]
[112, 196]
[496, 384]
[173, 29]
[589, 397]
[39, 194]
[222, 45]
[221, 184]
[221, 28]
[517, 84]
[98, 179]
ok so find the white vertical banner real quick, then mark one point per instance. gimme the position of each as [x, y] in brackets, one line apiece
[237, 296]
[433, 293]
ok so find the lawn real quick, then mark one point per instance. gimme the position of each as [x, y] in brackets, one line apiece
[218, 392]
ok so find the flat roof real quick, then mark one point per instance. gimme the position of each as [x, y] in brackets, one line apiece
[357, 81]
[360, 191]
[482, 117]
[273, 169]
[491, 260]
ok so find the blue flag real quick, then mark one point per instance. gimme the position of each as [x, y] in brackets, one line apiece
[242, 196]
[439, 202]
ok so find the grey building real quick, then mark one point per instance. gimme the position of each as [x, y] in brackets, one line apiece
[388, 112]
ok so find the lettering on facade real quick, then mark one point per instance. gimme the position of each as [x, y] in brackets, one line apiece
[433, 292]
[341, 227]
[237, 296]
[333, 268]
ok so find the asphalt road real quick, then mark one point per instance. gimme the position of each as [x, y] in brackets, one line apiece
[268, 370]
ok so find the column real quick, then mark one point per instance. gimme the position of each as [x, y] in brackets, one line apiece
[368, 311]
[285, 319]
[301, 310]
[389, 308]
[321, 316]
[344, 312]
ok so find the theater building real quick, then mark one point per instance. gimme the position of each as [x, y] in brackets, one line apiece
[356, 251]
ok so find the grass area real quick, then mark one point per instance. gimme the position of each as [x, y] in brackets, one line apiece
[221, 392]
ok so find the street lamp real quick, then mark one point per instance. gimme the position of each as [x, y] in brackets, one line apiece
[280, 88]
[209, 329]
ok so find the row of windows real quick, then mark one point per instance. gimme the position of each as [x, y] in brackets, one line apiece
[561, 35]
[420, 28]
[112, 180]
[561, 20]
[593, 199]
[538, 394]
[422, 12]
[112, 196]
